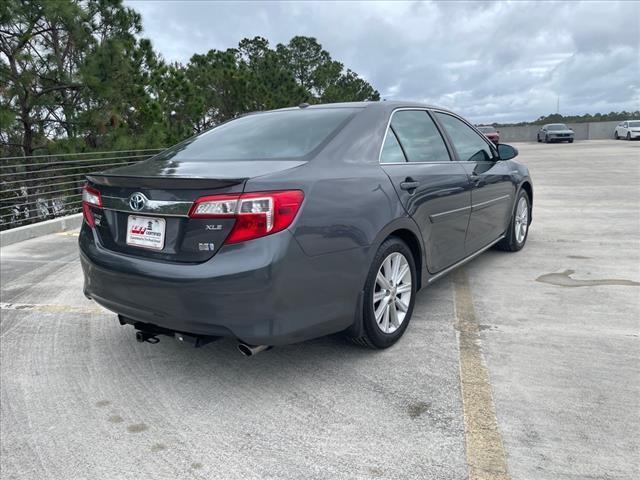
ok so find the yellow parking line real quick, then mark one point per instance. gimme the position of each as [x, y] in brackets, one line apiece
[486, 457]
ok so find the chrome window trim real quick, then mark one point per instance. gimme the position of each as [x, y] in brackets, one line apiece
[165, 208]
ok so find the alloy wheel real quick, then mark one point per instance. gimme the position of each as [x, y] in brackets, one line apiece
[392, 292]
[522, 220]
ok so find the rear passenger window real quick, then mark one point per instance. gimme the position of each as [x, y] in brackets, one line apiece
[469, 145]
[391, 151]
[419, 136]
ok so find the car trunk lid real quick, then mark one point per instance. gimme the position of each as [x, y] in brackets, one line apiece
[147, 215]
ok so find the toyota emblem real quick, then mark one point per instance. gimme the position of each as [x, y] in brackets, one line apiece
[137, 201]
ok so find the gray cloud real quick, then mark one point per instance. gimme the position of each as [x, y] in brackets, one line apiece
[489, 61]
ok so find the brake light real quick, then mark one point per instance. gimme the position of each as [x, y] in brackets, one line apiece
[90, 198]
[257, 213]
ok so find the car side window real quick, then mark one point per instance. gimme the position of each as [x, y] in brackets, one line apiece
[391, 151]
[419, 136]
[469, 145]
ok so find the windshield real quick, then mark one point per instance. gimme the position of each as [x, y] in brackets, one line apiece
[487, 129]
[557, 126]
[263, 136]
[634, 124]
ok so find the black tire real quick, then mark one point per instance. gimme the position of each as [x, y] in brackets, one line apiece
[615, 135]
[373, 336]
[538, 138]
[510, 243]
[571, 140]
[546, 139]
[629, 136]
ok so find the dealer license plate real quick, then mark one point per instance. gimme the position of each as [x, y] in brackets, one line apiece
[146, 232]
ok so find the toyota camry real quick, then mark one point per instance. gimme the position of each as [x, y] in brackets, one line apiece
[281, 226]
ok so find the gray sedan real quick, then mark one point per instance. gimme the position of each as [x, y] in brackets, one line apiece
[282, 226]
[555, 132]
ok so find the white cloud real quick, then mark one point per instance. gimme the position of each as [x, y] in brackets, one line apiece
[506, 61]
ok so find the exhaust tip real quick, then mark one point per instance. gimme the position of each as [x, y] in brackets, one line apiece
[251, 350]
[245, 349]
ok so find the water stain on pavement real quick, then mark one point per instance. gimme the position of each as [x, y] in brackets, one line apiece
[116, 419]
[564, 280]
[137, 428]
[196, 466]
[416, 409]
[103, 403]
[158, 447]
[376, 472]
[578, 257]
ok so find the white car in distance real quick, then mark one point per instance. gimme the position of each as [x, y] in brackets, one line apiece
[628, 129]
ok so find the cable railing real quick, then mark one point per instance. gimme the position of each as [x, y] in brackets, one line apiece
[41, 187]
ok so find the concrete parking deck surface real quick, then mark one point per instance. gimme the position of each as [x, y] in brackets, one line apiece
[544, 342]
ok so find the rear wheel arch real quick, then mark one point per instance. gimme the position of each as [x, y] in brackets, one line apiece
[407, 230]
[408, 237]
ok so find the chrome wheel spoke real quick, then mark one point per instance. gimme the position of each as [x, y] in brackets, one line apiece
[395, 262]
[387, 266]
[401, 305]
[393, 315]
[385, 319]
[405, 287]
[382, 308]
[402, 272]
[382, 281]
[377, 296]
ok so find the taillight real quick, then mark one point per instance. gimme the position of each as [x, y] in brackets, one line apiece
[257, 213]
[90, 198]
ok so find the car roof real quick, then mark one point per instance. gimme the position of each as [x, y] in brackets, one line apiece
[387, 105]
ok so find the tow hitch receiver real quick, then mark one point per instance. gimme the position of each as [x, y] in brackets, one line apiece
[147, 332]
[195, 340]
[146, 337]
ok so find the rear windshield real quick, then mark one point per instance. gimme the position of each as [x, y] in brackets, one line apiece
[557, 126]
[264, 136]
[487, 129]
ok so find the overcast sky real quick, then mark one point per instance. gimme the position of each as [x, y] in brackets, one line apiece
[487, 61]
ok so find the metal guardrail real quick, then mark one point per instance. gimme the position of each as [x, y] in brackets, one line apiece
[42, 187]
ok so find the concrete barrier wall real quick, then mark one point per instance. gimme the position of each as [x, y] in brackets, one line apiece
[55, 225]
[584, 131]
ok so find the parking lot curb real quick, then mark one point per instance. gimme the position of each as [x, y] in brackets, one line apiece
[55, 225]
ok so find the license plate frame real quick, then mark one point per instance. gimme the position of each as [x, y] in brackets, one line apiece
[151, 232]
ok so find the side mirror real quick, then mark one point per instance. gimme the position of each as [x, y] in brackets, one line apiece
[507, 152]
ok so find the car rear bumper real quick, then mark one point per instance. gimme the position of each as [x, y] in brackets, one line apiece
[266, 291]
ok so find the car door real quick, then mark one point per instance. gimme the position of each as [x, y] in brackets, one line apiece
[492, 191]
[434, 190]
